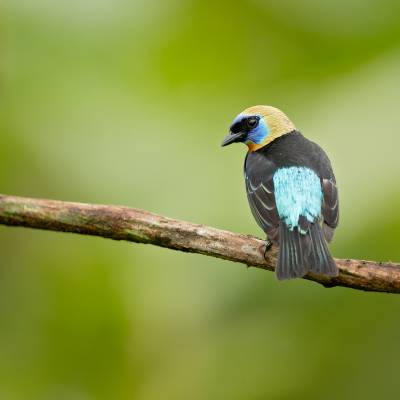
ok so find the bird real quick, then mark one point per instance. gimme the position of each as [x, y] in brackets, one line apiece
[291, 189]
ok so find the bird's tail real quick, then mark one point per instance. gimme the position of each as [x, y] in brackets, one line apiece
[300, 253]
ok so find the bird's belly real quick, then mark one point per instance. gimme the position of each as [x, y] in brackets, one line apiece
[298, 193]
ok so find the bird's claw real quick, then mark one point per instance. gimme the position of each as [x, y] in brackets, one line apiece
[265, 247]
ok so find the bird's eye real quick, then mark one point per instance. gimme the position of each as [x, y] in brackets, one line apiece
[252, 122]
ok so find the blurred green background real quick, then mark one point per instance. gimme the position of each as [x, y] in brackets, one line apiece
[126, 102]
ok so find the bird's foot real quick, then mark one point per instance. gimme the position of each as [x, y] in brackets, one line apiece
[265, 247]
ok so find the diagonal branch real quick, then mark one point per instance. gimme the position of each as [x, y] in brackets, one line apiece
[134, 225]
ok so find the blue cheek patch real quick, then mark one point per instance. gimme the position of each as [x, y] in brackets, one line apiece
[297, 192]
[259, 134]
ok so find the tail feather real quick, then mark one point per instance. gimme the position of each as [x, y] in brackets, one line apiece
[291, 259]
[319, 258]
[300, 253]
[282, 267]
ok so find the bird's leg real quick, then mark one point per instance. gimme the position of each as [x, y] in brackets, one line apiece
[265, 247]
[268, 245]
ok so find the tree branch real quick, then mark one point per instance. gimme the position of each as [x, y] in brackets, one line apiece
[134, 225]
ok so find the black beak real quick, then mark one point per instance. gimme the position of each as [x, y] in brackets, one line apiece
[233, 138]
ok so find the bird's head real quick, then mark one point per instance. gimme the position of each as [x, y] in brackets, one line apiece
[258, 126]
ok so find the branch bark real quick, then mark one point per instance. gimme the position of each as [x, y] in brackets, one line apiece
[139, 226]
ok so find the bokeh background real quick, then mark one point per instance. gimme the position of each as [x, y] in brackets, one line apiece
[126, 102]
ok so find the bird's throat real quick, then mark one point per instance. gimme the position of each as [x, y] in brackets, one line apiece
[254, 146]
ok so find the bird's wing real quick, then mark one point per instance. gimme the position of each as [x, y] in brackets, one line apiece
[330, 208]
[260, 193]
[330, 205]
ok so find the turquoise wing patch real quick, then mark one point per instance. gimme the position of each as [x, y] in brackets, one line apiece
[298, 192]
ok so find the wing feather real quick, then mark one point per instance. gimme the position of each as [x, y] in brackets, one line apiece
[330, 208]
[260, 193]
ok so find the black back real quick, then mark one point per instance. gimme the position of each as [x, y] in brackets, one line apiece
[293, 150]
